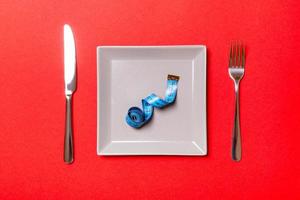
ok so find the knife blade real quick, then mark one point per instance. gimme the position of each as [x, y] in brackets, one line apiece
[70, 87]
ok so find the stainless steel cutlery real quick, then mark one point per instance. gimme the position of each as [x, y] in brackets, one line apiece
[70, 87]
[236, 72]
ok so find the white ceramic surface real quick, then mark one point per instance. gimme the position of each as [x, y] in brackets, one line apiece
[126, 74]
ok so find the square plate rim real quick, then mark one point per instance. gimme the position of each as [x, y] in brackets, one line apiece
[202, 151]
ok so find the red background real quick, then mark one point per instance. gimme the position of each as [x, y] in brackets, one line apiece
[32, 102]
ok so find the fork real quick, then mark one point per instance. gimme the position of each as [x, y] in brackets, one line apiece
[236, 72]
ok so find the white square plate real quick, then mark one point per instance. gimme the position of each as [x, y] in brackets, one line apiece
[126, 74]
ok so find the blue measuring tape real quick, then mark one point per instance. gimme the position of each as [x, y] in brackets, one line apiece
[136, 117]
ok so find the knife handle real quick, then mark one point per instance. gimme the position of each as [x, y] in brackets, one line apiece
[68, 147]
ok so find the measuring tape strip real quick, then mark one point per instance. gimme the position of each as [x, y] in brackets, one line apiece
[137, 117]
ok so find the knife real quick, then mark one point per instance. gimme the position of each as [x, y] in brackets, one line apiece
[70, 87]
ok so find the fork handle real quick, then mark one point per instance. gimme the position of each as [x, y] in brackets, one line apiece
[236, 136]
[68, 147]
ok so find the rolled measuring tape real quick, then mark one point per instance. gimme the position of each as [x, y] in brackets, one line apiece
[137, 117]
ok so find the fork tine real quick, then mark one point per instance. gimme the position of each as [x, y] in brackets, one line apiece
[243, 56]
[230, 56]
[239, 55]
[235, 54]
